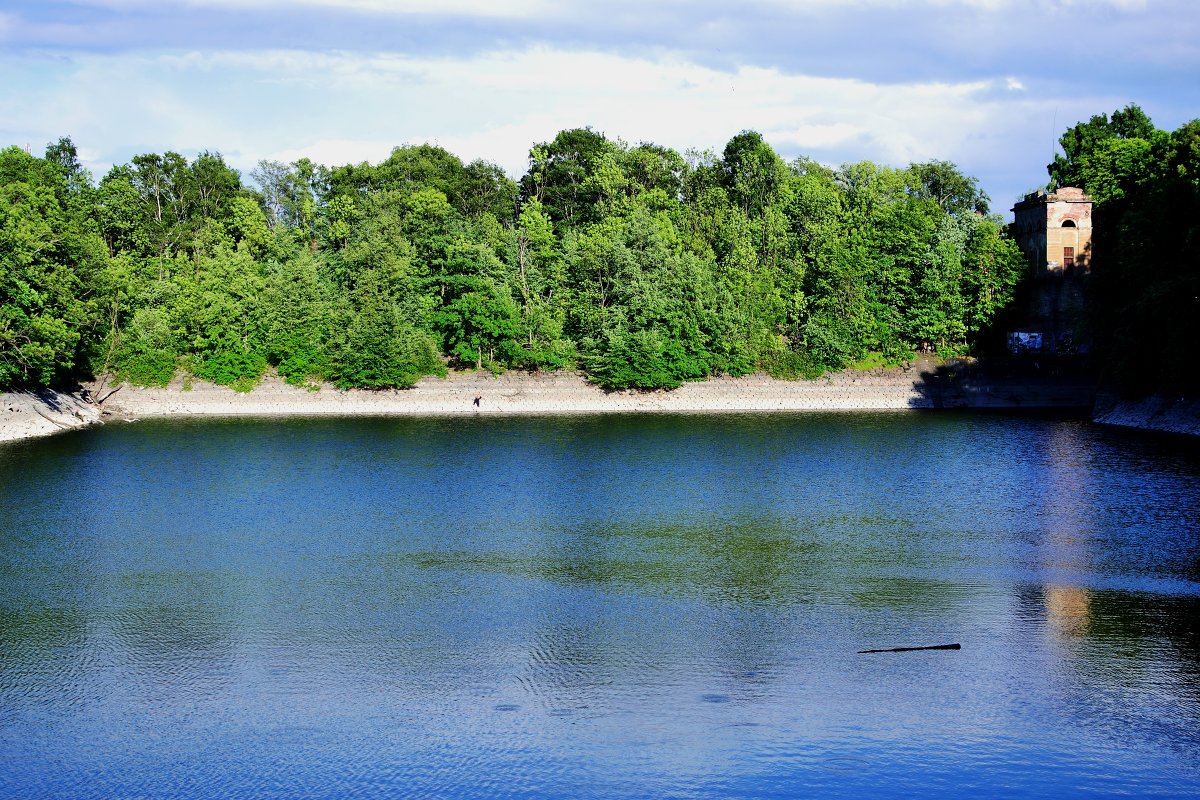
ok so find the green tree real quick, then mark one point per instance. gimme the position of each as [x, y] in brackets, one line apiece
[374, 346]
[291, 197]
[481, 325]
[656, 317]
[45, 257]
[753, 173]
[298, 311]
[478, 318]
[540, 279]
[219, 314]
[943, 183]
[486, 189]
[149, 351]
[1081, 140]
[559, 175]
[1146, 287]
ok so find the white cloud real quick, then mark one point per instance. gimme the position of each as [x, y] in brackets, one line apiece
[515, 98]
[1014, 84]
[524, 8]
[335, 151]
[1124, 5]
[341, 108]
[476, 8]
[1006, 6]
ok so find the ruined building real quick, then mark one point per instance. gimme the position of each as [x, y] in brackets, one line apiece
[1054, 231]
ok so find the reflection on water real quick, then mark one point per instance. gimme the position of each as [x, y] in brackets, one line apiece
[738, 561]
[1067, 610]
[600, 607]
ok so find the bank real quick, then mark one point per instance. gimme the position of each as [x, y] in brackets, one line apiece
[27, 415]
[921, 385]
[1179, 415]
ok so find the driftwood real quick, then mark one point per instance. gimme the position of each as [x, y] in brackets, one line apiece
[51, 419]
[954, 646]
[100, 400]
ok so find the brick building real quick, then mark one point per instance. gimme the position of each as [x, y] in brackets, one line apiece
[1055, 232]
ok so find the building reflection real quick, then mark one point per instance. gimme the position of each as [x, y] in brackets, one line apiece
[1068, 610]
[1068, 517]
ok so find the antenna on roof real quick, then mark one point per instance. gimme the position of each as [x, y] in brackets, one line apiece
[1053, 142]
[1053, 128]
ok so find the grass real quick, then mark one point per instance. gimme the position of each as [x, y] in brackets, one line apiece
[790, 365]
[877, 360]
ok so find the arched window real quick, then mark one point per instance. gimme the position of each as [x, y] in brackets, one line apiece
[1068, 223]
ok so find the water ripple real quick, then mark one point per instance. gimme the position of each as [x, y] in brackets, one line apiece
[645, 607]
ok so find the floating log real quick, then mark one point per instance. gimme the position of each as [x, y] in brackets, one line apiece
[955, 646]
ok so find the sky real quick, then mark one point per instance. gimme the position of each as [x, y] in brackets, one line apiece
[986, 84]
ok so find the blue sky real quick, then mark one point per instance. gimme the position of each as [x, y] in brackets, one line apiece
[988, 84]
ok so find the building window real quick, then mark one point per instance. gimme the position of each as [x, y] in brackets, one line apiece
[1068, 223]
[1068, 260]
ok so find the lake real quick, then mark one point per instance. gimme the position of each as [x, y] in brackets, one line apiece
[595, 607]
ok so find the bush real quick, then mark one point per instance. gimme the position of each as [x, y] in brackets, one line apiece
[388, 356]
[146, 369]
[832, 342]
[793, 365]
[148, 353]
[238, 370]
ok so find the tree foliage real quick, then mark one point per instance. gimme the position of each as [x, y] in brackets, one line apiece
[640, 265]
[1146, 292]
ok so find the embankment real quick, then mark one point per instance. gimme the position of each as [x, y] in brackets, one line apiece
[915, 387]
[520, 393]
[1154, 413]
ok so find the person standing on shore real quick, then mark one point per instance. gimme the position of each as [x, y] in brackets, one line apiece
[478, 397]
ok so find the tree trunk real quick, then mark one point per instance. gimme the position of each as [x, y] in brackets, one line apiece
[521, 242]
[112, 343]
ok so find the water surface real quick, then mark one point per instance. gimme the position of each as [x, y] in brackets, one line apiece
[646, 606]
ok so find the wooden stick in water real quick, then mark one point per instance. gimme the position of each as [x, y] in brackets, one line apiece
[955, 646]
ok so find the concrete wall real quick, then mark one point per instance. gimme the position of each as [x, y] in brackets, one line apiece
[1057, 308]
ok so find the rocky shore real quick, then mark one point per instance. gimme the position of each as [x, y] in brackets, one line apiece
[1154, 413]
[25, 415]
[919, 386]
[521, 393]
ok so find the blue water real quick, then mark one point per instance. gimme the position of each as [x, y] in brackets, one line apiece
[584, 607]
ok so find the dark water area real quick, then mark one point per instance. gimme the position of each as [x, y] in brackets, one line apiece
[647, 606]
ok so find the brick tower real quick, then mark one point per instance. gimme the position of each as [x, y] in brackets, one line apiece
[1055, 232]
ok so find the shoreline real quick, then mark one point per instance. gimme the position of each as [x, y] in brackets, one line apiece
[1176, 416]
[28, 415]
[44, 412]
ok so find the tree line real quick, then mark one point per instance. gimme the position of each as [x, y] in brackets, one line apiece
[1145, 292]
[641, 266]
